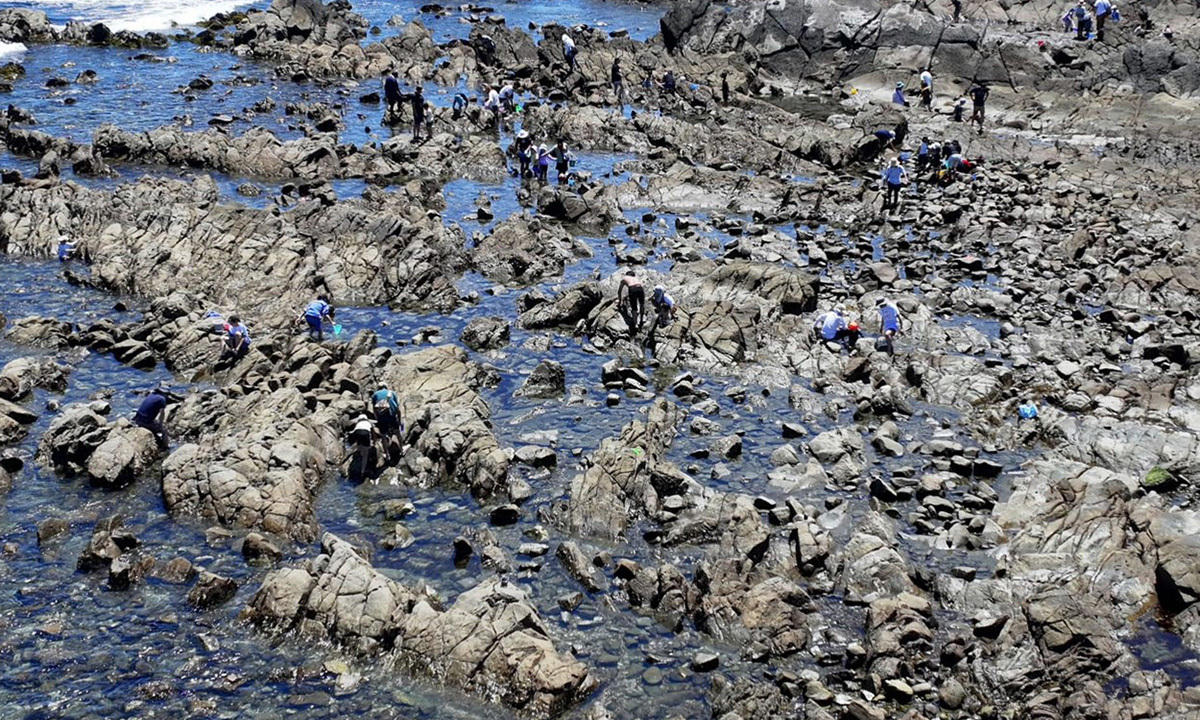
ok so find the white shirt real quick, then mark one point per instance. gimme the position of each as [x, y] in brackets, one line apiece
[568, 42]
[493, 100]
[364, 426]
[927, 79]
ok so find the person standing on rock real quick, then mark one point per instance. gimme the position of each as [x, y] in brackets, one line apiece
[927, 97]
[392, 94]
[957, 9]
[151, 414]
[569, 53]
[631, 301]
[895, 177]
[618, 82]
[724, 87]
[889, 322]
[542, 168]
[1083, 21]
[1103, 8]
[525, 150]
[927, 79]
[898, 95]
[979, 95]
[318, 314]
[418, 111]
[562, 161]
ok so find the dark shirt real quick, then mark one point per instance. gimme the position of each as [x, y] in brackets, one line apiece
[418, 105]
[391, 88]
[616, 74]
[979, 94]
[150, 408]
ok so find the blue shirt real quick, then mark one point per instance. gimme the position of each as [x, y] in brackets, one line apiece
[898, 97]
[1102, 7]
[890, 316]
[885, 135]
[831, 324]
[392, 401]
[64, 250]
[239, 331]
[893, 174]
[317, 309]
[151, 407]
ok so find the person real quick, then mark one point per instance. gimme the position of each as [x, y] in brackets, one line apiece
[363, 437]
[631, 301]
[959, 108]
[459, 106]
[1083, 24]
[927, 97]
[542, 168]
[525, 151]
[724, 87]
[1168, 33]
[889, 322]
[887, 137]
[1103, 8]
[979, 94]
[385, 405]
[898, 95]
[151, 414]
[562, 161]
[493, 103]
[508, 99]
[957, 9]
[237, 340]
[618, 82]
[317, 314]
[927, 79]
[923, 154]
[391, 93]
[569, 53]
[1068, 20]
[1027, 410]
[66, 250]
[428, 121]
[418, 110]
[895, 176]
[669, 81]
[664, 306]
[830, 325]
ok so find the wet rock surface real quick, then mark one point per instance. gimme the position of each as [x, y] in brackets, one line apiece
[725, 515]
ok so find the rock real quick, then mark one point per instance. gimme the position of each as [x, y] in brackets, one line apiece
[577, 566]
[211, 590]
[548, 379]
[535, 456]
[505, 515]
[705, 662]
[485, 333]
[123, 456]
[51, 528]
[257, 549]
[951, 694]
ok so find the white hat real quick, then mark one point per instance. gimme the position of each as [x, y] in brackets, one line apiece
[360, 418]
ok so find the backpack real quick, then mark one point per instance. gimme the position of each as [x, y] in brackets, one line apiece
[383, 405]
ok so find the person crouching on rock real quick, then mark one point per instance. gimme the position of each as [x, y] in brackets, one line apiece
[151, 414]
[631, 301]
[66, 250]
[831, 326]
[665, 311]
[362, 438]
[237, 341]
[318, 314]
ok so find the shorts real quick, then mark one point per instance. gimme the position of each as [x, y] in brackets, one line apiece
[314, 322]
[388, 424]
[361, 438]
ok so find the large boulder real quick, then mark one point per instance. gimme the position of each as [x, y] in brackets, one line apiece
[123, 456]
[68, 444]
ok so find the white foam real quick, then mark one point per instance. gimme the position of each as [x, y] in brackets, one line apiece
[143, 16]
[11, 51]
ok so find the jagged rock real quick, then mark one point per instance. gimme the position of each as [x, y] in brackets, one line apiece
[485, 333]
[125, 454]
[548, 379]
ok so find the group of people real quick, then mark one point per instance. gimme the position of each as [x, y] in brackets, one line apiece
[377, 435]
[534, 161]
[631, 304]
[396, 99]
[833, 326]
[944, 162]
[978, 94]
[1081, 18]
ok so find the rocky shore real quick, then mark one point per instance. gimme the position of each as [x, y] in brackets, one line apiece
[834, 532]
